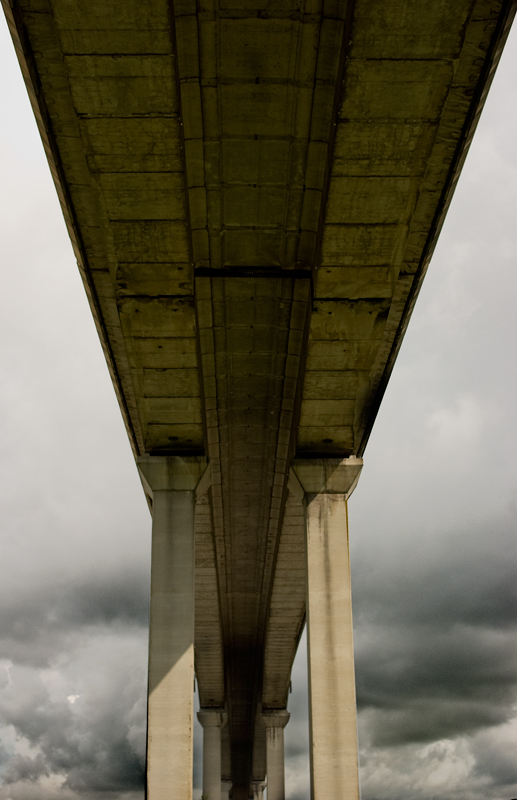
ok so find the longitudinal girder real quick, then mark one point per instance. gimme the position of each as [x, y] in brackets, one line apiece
[254, 189]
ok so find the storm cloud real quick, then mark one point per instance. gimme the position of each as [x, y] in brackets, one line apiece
[436, 643]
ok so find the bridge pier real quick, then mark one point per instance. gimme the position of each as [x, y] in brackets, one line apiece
[327, 484]
[170, 482]
[275, 722]
[212, 721]
[258, 789]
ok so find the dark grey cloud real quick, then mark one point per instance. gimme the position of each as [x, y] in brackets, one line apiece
[25, 768]
[96, 600]
[75, 688]
[495, 758]
[93, 741]
[462, 576]
[436, 633]
[35, 625]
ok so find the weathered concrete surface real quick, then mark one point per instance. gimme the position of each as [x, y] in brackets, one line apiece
[212, 721]
[275, 722]
[253, 191]
[327, 484]
[171, 484]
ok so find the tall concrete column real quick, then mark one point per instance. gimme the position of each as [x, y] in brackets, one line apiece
[258, 789]
[170, 482]
[212, 720]
[275, 722]
[225, 790]
[327, 484]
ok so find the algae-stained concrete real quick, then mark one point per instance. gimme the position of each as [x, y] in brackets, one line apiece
[254, 191]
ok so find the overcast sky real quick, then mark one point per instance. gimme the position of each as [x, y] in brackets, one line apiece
[432, 521]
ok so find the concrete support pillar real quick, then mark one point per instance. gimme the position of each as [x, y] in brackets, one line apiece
[225, 790]
[212, 720]
[258, 789]
[275, 722]
[327, 483]
[170, 482]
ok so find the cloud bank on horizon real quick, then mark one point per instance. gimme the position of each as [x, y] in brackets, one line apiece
[432, 522]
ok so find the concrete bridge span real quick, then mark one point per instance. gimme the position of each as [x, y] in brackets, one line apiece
[253, 189]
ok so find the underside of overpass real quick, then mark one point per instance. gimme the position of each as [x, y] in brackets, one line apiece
[254, 189]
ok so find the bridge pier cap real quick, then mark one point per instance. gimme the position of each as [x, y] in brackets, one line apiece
[327, 475]
[171, 473]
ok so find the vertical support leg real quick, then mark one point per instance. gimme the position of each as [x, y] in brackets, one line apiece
[212, 721]
[226, 764]
[275, 722]
[171, 483]
[225, 790]
[258, 789]
[332, 700]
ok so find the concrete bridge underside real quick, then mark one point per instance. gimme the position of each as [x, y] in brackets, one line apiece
[254, 189]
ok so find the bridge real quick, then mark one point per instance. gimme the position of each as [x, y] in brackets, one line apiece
[253, 189]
